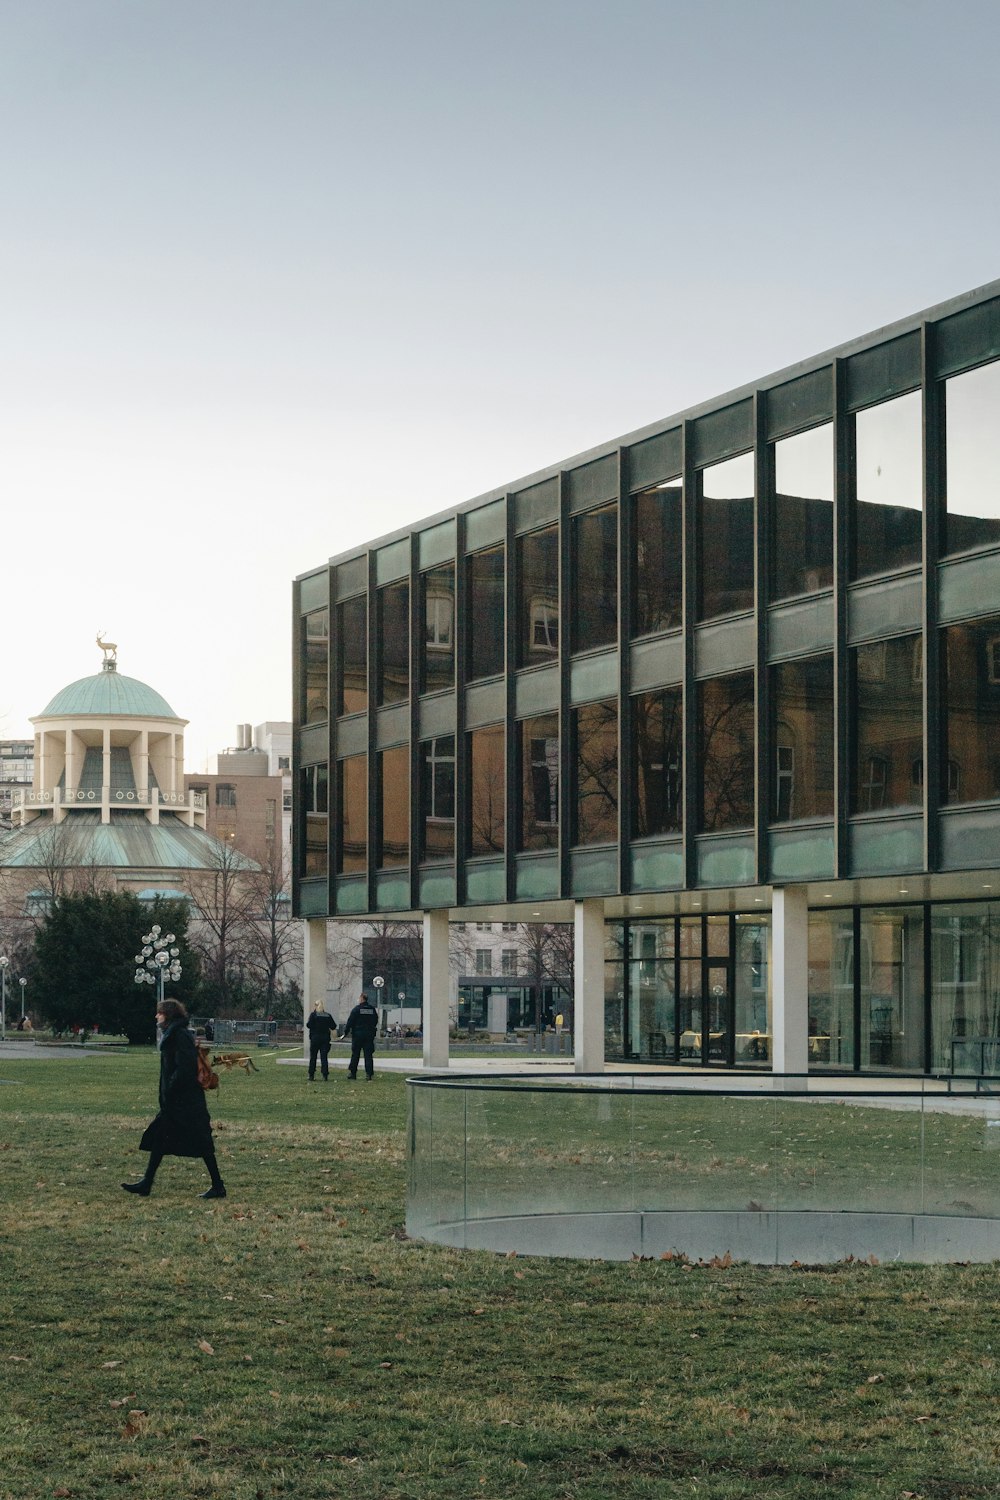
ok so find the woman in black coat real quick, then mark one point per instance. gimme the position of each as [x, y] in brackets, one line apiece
[182, 1127]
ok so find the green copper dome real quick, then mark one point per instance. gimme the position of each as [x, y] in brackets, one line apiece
[107, 692]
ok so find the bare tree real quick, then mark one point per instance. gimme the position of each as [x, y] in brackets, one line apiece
[56, 856]
[273, 941]
[224, 902]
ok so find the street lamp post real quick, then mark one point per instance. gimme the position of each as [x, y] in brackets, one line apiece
[4, 964]
[158, 961]
[24, 985]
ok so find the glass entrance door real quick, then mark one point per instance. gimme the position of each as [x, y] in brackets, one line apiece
[717, 1037]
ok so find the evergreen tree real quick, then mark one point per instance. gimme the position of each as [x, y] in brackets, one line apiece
[85, 963]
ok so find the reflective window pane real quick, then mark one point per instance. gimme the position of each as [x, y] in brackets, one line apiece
[888, 472]
[394, 807]
[657, 762]
[595, 728]
[352, 631]
[726, 752]
[802, 514]
[437, 669]
[724, 518]
[394, 642]
[971, 705]
[889, 696]
[437, 797]
[539, 819]
[965, 988]
[892, 989]
[352, 814]
[802, 739]
[485, 613]
[595, 578]
[750, 1017]
[316, 642]
[486, 790]
[658, 558]
[538, 597]
[972, 434]
[831, 990]
[314, 782]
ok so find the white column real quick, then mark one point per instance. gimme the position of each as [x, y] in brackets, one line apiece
[313, 972]
[436, 979]
[588, 986]
[142, 762]
[70, 777]
[106, 778]
[789, 980]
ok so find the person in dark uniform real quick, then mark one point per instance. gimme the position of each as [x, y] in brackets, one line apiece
[182, 1127]
[361, 1026]
[320, 1026]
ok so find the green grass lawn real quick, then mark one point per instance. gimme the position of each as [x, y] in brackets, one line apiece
[290, 1341]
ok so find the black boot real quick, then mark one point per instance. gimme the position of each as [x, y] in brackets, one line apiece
[218, 1188]
[143, 1188]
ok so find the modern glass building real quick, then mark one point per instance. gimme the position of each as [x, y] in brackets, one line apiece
[724, 692]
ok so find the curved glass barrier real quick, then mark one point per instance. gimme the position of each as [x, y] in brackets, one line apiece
[772, 1170]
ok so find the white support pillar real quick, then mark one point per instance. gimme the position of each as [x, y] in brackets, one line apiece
[436, 982]
[106, 777]
[313, 972]
[588, 986]
[789, 980]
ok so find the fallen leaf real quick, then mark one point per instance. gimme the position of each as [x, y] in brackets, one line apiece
[111, 1364]
[477, 1312]
[136, 1422]
[123, 1400]
[340, 1353]
[205, 1346]
[19, 1359]
[196, 1437]
[61, 1493]
[874, 1379]
[924, 1419]
[386, 1364]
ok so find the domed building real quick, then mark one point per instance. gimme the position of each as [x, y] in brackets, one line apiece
[108, 794]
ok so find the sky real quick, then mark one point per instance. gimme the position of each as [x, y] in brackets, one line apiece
[278, 278]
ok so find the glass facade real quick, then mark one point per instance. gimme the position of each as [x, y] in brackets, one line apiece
[485, 624]
[888, 486]
[538, 597]
[725, 528]
[352, 674]
[658, 740]
[726, 750]
[487, 800]
[595, 741]
[316, 664]
[658, 554]
[802, 511]
[888, 684]
[791, 657]
[394, 643]
[802, 739]
[352, 815]
[437, 797]
[971, 708]
[972, 446]
[394, 807]
[594, 618]
[539, 804]
[437, 662]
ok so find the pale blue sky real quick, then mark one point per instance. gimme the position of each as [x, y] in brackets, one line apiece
[277, 278]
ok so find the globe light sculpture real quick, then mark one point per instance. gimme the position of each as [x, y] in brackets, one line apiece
[158, 961]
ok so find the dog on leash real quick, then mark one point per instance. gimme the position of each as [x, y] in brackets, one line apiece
[231, 1060]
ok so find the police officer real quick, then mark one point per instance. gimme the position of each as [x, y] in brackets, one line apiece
[361, 1026]
[320, 1026]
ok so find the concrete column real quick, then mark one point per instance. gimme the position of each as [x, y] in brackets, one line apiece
[142, 762]
[313, 972]
[588, 986]
[789, 980]
[436, 983]
[70, 771]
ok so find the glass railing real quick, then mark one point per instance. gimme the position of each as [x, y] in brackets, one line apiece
[757, 1166]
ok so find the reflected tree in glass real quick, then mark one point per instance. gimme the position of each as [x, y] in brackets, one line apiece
[657, 762]
[486, 790]
[538, 597]
[539, 814]
[802, 739]
[971, 699]
[352, 676]
[437, 797]
[394, 807]
[658, 558]
[595, 736]
[888, 685]
[316, 640]
[594, 620]
[352, 814]
[726, 752]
